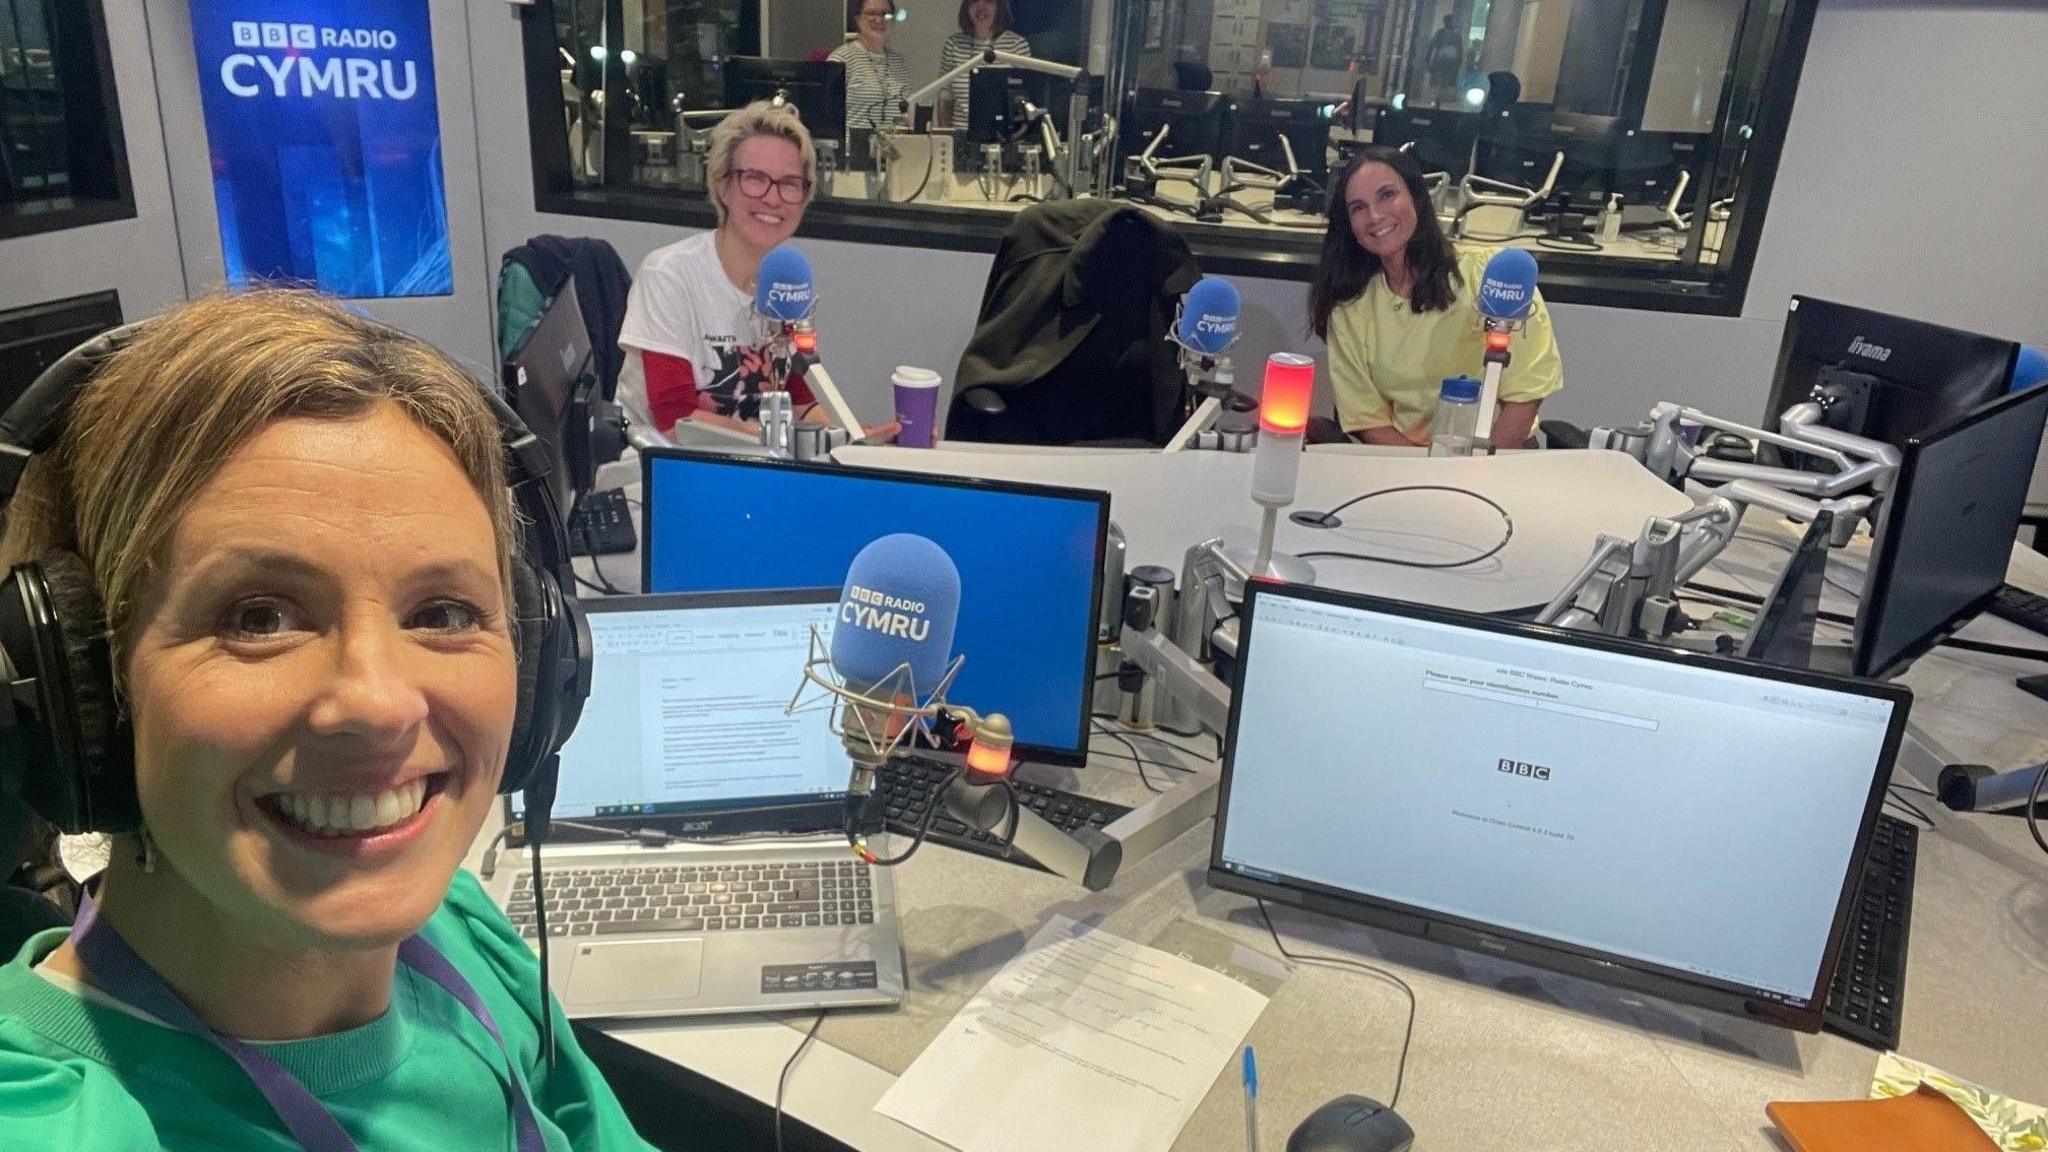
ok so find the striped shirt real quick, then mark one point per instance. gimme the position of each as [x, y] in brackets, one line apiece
[875, 85]
[960, 48]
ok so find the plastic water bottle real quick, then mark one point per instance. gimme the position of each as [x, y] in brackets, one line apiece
[1457, 417]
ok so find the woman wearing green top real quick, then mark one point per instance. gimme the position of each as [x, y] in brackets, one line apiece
[1393, 298]
[298, 524]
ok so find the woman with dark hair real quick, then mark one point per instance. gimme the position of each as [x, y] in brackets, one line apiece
[984, 25]
[1393, 298]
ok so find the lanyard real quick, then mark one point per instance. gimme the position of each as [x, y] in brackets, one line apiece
[116, 966]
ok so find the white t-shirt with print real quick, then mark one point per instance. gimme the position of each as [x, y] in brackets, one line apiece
[682, 305]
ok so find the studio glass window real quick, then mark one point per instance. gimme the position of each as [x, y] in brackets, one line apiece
[1630, 143]
[62, 159]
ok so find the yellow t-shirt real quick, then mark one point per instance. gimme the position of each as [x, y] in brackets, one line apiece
[1388, 362]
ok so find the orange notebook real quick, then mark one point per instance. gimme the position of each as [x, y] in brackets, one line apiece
[1925, 1121]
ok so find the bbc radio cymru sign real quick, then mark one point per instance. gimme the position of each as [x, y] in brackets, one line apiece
[325, 137]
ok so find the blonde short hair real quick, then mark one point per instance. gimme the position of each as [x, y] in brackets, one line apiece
[761, 118]
[164, 414]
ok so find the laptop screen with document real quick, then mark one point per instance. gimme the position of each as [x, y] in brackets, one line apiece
[1677, 824]
[687, 729]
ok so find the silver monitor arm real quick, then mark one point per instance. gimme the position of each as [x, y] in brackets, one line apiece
[1630, 588]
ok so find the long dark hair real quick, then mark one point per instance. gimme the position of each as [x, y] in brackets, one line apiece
[1346, 268]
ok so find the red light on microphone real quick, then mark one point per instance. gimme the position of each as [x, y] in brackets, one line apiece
[988, 757]
[1498, 341]
[1284, 399]
[805, 341]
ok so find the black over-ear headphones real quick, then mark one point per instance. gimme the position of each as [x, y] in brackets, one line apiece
[62, 727]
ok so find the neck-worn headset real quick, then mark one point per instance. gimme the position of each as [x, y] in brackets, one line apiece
[64, 735]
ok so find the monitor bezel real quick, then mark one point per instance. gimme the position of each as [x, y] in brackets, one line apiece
[1540, 951]
[1884, 555]
[784, 816]
[1075, 756]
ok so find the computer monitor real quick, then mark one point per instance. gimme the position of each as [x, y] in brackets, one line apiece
[687, 728]
[35, 336]
[548, 383]
[1649, 165]
[1441, 139]
[1675, 824]
[1000, 102]
[1883, 377]
[1257, 127]
[1945, 534]
[816, 87]
[1591, 145]
[1030, 561]
[1194, 121]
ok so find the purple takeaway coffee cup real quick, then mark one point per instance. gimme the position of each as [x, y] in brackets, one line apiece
[917, 405]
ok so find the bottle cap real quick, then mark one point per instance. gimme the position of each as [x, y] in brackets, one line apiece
[1460, 389]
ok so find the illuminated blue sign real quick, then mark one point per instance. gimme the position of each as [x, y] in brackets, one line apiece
[325, 137]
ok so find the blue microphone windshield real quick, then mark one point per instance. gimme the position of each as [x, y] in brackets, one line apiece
[783, 288]
[1208, 317]
[901, 600]
[1507, 290]
[2030, 369]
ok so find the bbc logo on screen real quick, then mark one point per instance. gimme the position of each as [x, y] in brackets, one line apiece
[1525, 769]
[269, 34]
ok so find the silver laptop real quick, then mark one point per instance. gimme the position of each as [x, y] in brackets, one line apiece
[685, 731]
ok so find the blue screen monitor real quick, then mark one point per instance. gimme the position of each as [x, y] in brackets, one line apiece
[1030, 560]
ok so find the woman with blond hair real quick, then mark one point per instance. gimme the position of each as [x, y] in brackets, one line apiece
[692, 348]
[286, 533]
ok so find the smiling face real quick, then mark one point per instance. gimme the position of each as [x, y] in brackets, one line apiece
[322, 682]
[982, 13]
[761, 219]
[1381, 211]
[874, 22]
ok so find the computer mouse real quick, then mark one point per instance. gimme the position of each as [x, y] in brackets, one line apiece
[1352, 1124]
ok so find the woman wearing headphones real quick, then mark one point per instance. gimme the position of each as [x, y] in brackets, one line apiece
[298, 525]
[1394, 299]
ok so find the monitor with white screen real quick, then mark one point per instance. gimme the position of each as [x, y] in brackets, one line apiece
[686, 728]
[1680, 825]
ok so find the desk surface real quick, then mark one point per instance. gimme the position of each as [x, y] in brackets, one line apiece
[1504, 1056]
[1164, 502]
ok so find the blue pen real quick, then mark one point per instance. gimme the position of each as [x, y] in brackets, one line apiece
[1251, 1100]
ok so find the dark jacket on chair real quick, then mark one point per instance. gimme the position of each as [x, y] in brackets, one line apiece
[1072, 330]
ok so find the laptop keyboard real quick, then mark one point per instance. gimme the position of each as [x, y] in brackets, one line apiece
[702, 898]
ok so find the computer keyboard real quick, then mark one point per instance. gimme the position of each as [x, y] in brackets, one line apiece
[908, 785]
[1867, 997]
[2022, 608]
[602, 525]
[705, 898]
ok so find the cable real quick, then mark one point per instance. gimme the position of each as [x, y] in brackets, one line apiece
[1754, 600]
[2033, 807]
[2007, 650]
[540, 928]
[1919, 789]
[1407, 1035]
[1892, 797]
[1330, 521]
[1139, 760]
[924, 824]
[604, 585]
[782, 1081]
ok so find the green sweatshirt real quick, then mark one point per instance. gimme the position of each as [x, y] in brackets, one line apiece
[77, 1073]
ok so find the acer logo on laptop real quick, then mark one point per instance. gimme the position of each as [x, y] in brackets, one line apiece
[1524, 768]
[1858, 346]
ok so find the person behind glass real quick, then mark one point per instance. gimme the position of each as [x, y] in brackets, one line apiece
[693, 347]
[877, 76]
[298, 524]
[1394, 299]
[984, 25]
